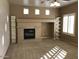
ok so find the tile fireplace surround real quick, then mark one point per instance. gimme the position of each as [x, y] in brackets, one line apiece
[25, 24]
[22, 26]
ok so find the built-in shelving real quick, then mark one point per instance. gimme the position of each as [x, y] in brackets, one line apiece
[56, 28]
[13, 29]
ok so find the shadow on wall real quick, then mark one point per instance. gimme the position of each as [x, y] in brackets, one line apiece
[55, 53]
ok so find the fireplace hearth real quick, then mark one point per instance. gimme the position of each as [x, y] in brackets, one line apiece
[29, 33]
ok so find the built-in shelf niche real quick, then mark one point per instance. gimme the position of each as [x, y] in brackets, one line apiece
[13, 29]
[47, 30]
[57, 28]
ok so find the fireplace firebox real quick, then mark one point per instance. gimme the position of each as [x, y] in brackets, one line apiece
[29, 33]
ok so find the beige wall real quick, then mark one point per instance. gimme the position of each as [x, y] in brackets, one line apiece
[4, 31]
[17, 10]
[72, 8]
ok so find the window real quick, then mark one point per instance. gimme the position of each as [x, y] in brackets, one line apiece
[65, 20]
[5, 27]
[68, 23]
[37, 11]
[47, 12]
[26, 11]
[3, 40]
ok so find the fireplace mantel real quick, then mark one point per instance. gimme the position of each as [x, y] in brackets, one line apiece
[34, 20]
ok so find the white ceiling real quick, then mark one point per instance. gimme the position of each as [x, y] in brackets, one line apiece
[38, 2]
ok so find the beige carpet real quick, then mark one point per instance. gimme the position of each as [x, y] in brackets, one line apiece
[44, 49]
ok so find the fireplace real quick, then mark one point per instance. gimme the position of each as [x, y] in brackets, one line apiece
[29, 33]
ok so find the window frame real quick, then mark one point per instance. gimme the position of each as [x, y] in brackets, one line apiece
[46, 13]
[67, 25]
[36, 13]
[27, 9]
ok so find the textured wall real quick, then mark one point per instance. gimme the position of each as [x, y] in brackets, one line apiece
[72, 8]
[17, 10]
[4, 27]
[22, 26]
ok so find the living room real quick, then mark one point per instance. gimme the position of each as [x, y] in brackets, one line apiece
[36, 29]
